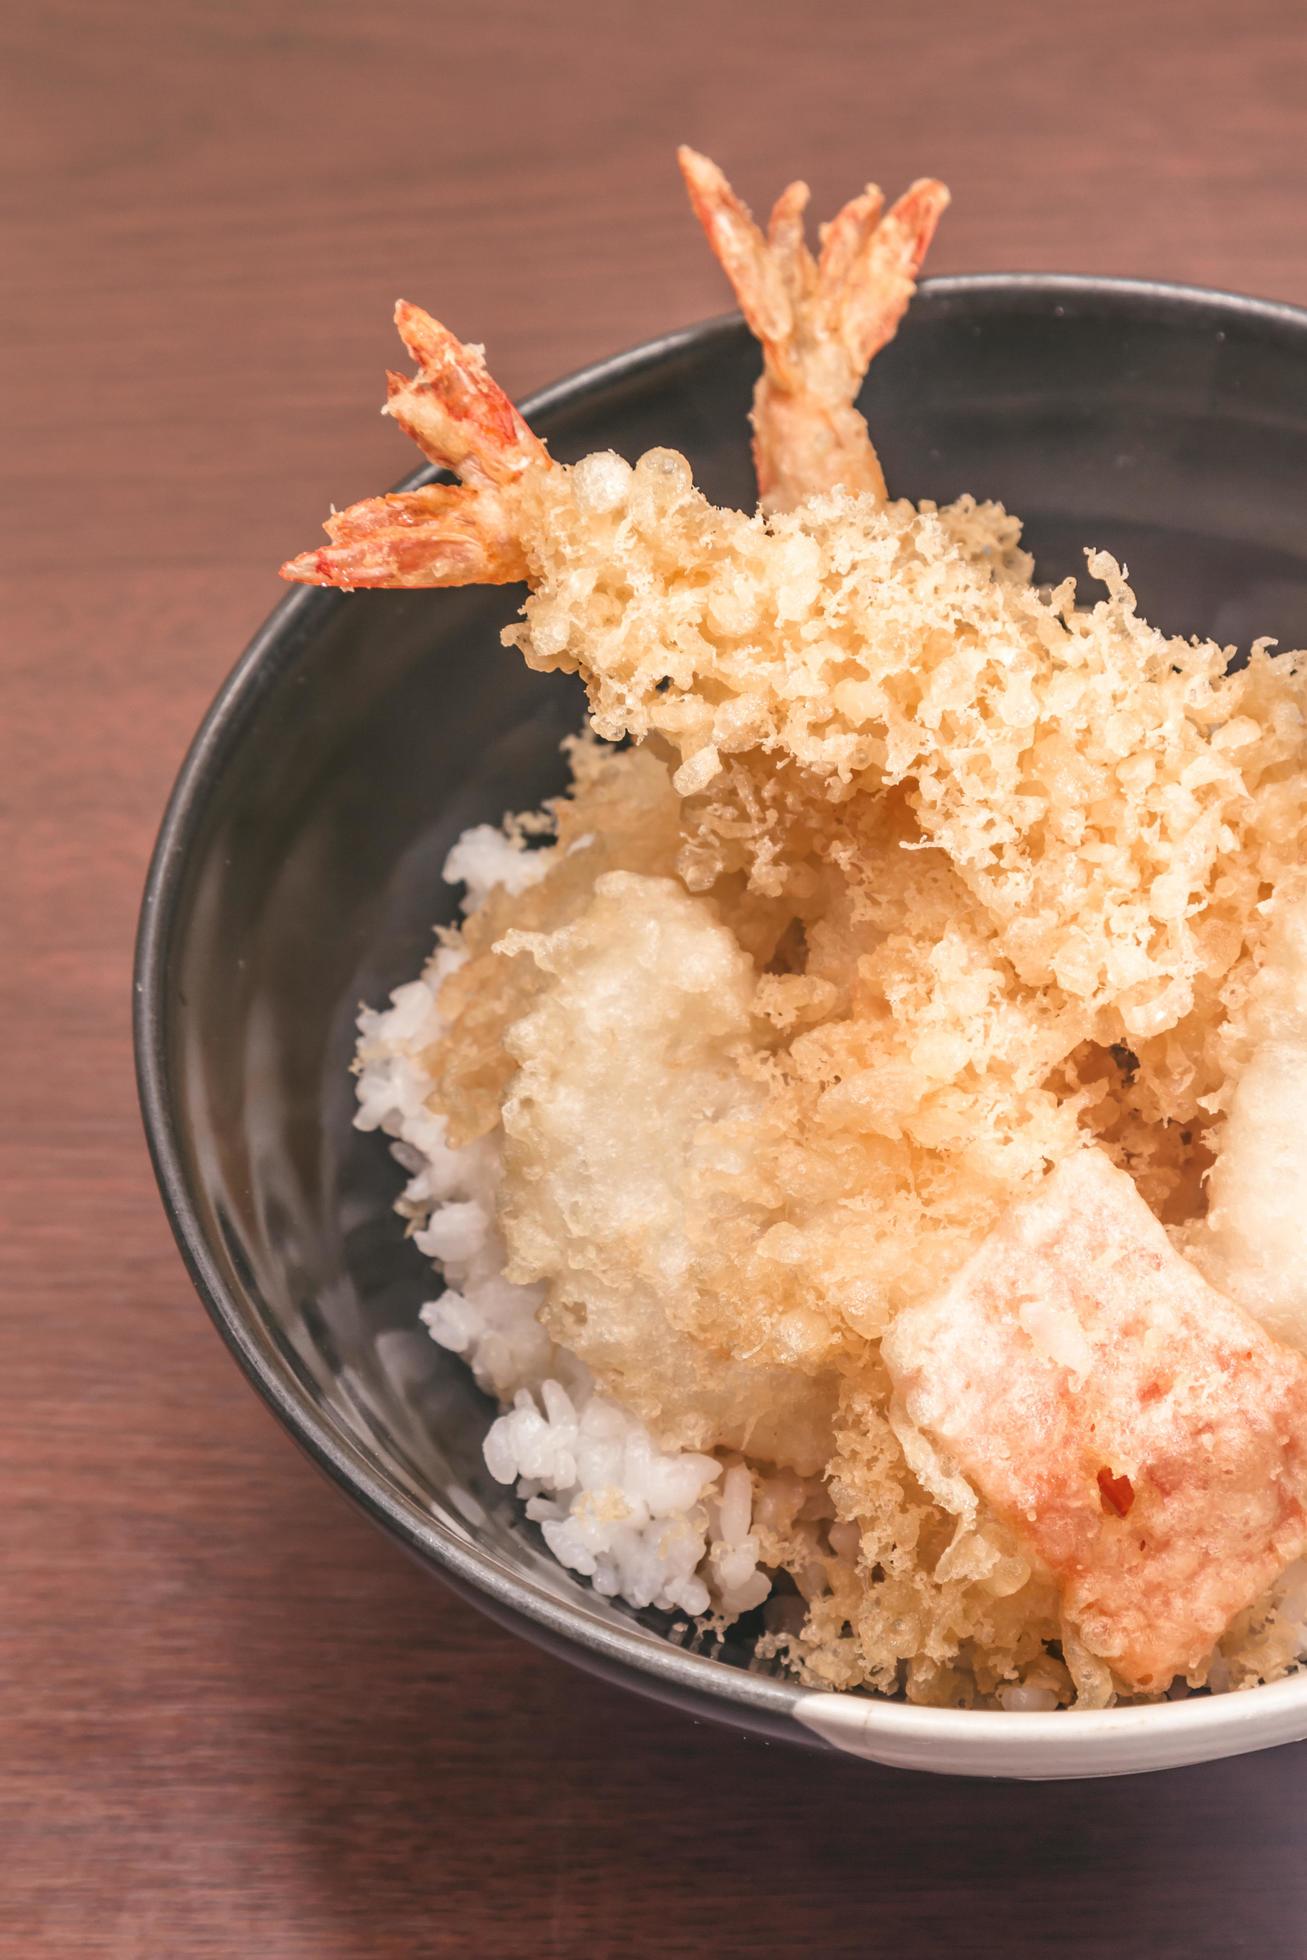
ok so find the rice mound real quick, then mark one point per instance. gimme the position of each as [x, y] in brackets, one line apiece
[920, 879]
[658, 1527]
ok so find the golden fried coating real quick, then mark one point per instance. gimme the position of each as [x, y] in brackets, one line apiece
[921, 882]
[1113, 799]
[994, 870]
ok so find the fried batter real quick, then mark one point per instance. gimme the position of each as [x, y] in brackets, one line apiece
[923, 893]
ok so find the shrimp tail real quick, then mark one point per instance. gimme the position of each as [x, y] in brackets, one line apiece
[819, 322]
[755, 267]
[442, 534]
[458, 416]
[868, 269]
[438, 535]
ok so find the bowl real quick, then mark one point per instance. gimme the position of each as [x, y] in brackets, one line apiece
[297, 874]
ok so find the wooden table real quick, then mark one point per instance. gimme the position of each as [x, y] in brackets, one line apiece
[233, 1720]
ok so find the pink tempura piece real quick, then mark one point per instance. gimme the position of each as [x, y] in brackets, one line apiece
[1145, 1437]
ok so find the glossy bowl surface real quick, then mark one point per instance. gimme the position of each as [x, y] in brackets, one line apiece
[297, 874]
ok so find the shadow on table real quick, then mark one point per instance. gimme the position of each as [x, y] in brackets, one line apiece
[444, 1785]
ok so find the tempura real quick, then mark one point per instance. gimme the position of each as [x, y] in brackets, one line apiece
[859, 1123]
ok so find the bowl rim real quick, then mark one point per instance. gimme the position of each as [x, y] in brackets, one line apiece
[1086, 1742]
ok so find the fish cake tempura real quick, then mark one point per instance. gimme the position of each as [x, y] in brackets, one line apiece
[1139, 1430]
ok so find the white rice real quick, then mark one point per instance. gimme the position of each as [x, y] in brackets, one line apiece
[656, 1527]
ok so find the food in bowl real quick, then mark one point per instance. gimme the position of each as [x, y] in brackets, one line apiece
[859, 1122]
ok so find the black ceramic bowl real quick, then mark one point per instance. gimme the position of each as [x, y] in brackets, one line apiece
[297, 874]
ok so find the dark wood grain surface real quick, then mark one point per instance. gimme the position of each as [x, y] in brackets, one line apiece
[233, 1720]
